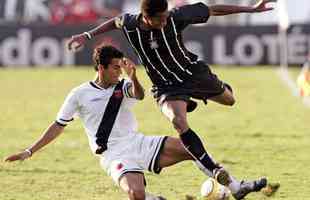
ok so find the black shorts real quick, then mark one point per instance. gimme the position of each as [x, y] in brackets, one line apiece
[202, 84]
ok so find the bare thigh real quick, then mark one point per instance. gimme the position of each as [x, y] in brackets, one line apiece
[173, 152]
[175, 111]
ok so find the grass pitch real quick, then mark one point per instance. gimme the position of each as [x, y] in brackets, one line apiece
[265, 134]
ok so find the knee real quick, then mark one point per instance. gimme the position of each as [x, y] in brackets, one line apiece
[180, 124]
[229, 97]
[230, 101]
[136, 194]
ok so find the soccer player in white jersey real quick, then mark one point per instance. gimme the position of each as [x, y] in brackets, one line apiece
[124, 153]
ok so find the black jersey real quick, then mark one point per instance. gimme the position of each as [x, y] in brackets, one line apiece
[162, 52]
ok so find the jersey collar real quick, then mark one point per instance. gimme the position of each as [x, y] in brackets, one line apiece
[95, 85]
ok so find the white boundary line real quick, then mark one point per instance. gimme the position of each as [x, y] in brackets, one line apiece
[286, 78]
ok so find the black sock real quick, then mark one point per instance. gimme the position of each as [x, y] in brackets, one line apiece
[194, 145]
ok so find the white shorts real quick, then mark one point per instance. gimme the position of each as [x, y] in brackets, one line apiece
[136, 155]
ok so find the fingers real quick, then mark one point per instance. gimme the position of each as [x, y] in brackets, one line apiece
[76, 42]
[262, 6]
[77, 46]
[70, 44]
[266, 2]
[267, 9]
[269, 1]
[125, 61]
[12, 158]
[129, 63]
[20, 156]
[74, 45]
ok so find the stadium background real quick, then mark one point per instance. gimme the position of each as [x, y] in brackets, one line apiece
[34, 33]
[266, 133]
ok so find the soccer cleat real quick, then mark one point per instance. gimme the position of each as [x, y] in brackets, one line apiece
[247, 187]
[152, 197]
[222, 176]
[161, 198]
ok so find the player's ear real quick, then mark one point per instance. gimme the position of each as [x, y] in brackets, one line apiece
[101, 68]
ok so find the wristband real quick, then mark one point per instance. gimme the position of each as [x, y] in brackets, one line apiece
[88, 35]
[29, 152]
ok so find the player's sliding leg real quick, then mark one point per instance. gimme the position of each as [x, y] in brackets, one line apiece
[134, 185]
[247, 187]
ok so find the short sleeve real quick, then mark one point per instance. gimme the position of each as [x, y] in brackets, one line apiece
[190, 14]
[128, 100]
[68, 109]
[126, 87]
[124, 20]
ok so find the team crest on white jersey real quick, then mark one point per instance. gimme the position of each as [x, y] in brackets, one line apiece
[118, 94]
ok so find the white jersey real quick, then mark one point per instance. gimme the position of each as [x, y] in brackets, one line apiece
[88, 101]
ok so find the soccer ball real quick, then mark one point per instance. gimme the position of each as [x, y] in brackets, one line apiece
[212, 190]
[303, 82]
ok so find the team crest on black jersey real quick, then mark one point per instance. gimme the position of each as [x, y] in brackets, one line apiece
[153, 44]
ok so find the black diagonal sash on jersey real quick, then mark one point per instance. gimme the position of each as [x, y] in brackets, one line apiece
[109, 117]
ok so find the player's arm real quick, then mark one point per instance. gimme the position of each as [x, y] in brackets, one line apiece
[49, 135]
[79, 40]
[135, 90]
[220, 10]
[103, 28]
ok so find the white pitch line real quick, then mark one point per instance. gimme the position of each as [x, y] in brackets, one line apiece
[284, 75]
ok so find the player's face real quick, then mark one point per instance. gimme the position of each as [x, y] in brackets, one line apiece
[158, 21]
[113, 72]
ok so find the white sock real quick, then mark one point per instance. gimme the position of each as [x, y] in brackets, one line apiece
[149, 196]
[234, 186]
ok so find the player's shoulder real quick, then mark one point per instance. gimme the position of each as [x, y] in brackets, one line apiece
[83, 87]
[188, 7]
[127, 20]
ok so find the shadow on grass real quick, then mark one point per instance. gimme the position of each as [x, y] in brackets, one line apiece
[48, 171]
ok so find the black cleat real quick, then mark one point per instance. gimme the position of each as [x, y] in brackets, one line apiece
[161, 198]
[247, 187]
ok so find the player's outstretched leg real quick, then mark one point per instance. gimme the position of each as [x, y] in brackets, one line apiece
[247, 187]
[238, 189]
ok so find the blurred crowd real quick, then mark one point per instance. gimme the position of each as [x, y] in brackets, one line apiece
[75, 11]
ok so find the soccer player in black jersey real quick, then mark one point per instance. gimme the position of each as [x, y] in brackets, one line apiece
[177, 75]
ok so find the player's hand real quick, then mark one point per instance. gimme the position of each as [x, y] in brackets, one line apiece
[19, 156]
[261, 6]
[129, 67]
[77, 41]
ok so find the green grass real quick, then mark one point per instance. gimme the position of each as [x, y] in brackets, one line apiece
[265, 134]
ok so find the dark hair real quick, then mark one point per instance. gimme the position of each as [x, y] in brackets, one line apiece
[104, 54]
[152, 7]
